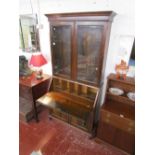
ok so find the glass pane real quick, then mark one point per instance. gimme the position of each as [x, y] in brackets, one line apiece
[61, 45]
[89, 42]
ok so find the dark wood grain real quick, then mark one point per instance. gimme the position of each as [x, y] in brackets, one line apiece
[31, 89]
[100, 15]
[100, 19]
[89, 34]
[117, 115]
[70, 101]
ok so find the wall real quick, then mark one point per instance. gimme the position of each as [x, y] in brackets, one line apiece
[122, 32]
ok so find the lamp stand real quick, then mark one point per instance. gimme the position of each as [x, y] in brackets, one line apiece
[39, 74]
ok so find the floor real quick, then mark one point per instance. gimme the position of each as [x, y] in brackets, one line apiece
[55, 137]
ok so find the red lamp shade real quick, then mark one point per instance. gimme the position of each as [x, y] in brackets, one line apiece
[37, 60]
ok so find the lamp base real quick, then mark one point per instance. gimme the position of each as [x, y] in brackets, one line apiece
[39, 77]
[39, 74]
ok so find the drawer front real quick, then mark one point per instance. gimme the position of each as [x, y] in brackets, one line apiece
[78, 122]
[59, 113]
[25, 92]
[118, 121]
[40, 89]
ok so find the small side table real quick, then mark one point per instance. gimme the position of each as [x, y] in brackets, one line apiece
[31, 89]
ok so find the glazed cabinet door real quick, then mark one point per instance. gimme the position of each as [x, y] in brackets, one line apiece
[89, 46]
[61, 38]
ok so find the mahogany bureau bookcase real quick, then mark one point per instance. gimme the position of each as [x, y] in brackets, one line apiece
[79, 44]
[31, 89]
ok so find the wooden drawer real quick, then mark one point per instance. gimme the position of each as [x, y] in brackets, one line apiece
[78, 122]
[118, 121]
[59, 113]
[40, 89]
[25, 92]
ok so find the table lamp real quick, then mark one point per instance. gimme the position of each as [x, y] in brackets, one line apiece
[38, 60]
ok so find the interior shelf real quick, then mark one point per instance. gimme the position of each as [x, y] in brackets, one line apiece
[128, 80]
[76, 89]
[123, 99]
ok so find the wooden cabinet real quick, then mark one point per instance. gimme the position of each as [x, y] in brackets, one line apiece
[79, 43]
[117, 115]
[31, 89]
[72, 102]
